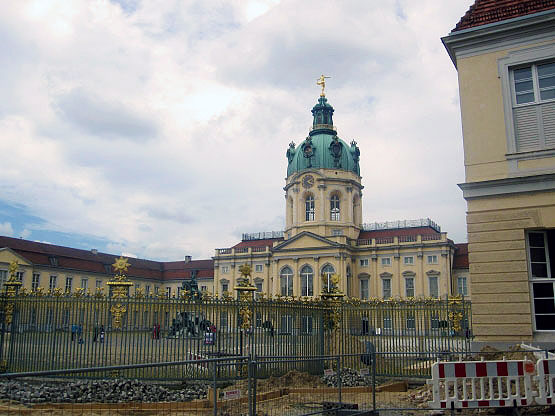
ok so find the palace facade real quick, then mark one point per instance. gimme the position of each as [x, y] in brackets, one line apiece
[324, 235]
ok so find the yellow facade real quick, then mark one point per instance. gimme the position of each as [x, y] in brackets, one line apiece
[508, 119]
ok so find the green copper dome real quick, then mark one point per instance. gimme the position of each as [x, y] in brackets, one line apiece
[323, 148]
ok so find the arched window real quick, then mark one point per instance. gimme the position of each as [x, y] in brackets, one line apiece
[334, 208]
[309, 208]
[286, 281]
[327, 272]
[307, 277]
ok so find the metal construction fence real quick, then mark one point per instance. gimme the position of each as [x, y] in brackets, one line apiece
[40, 333]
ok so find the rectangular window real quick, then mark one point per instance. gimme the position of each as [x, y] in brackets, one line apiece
[35, 282]
[168, 292]
[258, 268]
[386, 261]
[286, 324]
[387, 322]
[461, 286]
[533, 90]
[363, 262]
[156, 290]
[408, 260]
[432, 259]
[364, 289]
[225, 287]
[19, 276]
[52, 284]
[84, 284]
[409, 287]
[223, 320]
[204, 288]
[541, 263]
[336, 232]
[433, 286]
[225, 269]
[411, 321]
[69, 283]
[179, 292]
[258, 287]
[3, 277]
[386, 288]
[434, 321]
[147, 290]
[137, 288]
[98, 284]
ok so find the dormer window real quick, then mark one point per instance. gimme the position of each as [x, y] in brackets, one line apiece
[108, 268]
[53, 261]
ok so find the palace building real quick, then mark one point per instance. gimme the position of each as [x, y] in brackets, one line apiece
[324, 235]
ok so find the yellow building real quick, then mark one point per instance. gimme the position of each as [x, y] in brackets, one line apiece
[53, 267]
[504, 52]
[325, 235]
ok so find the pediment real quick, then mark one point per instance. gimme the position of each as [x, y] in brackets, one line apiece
[432, 272]
[7, 255]
[386, 275]
[408, 273]
[305, 240]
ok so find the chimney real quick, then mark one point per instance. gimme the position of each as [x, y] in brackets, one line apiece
[94, 251]
[188, 259]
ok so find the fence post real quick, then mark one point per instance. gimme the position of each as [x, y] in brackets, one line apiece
[373, 361]
[339, 380]
[254, 376]
[249, 385]
[214, 389]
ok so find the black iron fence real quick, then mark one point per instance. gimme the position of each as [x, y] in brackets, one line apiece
[40, 333]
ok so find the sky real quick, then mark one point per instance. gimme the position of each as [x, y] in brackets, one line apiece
[158, 129]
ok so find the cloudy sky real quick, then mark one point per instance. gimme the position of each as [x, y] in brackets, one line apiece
[159, 128]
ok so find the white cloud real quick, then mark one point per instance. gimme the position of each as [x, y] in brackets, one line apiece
[6, 229]
[163, 127]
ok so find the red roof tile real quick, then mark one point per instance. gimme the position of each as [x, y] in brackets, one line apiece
[257, 243]
[460, 259]
[483, 12]
[86, 261]
[398, 232]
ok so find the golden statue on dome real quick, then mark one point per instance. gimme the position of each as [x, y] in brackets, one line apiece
[322, 82]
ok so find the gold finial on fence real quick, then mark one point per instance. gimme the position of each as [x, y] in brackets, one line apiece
[120, 289]
[12, 285]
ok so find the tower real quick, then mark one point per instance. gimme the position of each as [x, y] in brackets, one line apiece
[323, 184]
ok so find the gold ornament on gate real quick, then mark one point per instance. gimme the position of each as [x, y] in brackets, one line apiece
[120, 288]
[12, 285]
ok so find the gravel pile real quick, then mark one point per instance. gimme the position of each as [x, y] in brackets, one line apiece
[97, 391]
[349, 378]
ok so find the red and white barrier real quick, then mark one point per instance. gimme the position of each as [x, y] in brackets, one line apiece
[545, 375]
[477, 384]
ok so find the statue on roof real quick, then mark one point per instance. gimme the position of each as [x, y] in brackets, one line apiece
[291, 152]
[322, 82]
[190, 287]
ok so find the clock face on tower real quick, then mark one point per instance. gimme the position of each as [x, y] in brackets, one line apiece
[308, 181]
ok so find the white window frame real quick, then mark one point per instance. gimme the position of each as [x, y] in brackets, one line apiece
[309, 208]
[433, 287]
[365, 292]
[225, 269]
[408, 260]
[98, 284]
[307, 280]
[409, 287]
[432, 259]
[286, 277]
[84, 283]
[53, 279]
[3, 277]
[364, 262]
[19, 275]
[259, 268]
[69, 284]
[462, 286]
[168, 292]
[386, 292]
[513, 60]
[386, 261]
[35, 282]
[335, 208]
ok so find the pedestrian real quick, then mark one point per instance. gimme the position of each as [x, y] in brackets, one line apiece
[80, 333]
[73, 332]
[101, 334]
[157, 331]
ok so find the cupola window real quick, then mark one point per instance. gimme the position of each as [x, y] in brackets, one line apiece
[309, 208]
[334, 208]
